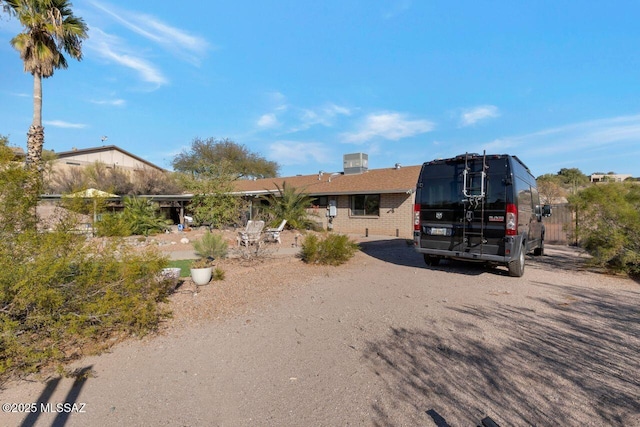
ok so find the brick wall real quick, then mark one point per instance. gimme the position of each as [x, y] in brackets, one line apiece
[395, 219]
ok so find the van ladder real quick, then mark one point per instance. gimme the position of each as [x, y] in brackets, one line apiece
[474, 191]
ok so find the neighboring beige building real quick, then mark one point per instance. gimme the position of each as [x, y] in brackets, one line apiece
[110, 155]
[373, 201]
[613, 177]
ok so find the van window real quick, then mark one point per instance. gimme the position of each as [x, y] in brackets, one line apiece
[445, 192]
[525, 198]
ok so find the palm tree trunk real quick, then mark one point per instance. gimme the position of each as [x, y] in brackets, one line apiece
[33, 160]
[35, 136]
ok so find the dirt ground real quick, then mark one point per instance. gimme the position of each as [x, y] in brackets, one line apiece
[382, 340]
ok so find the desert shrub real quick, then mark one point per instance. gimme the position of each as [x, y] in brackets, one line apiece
[332, 249]
[609, 225]
[112, 225]
[61, 296]
[211, 246]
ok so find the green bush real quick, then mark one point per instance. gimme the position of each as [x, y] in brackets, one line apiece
[609, 225]
[211, 246]
[218, 274]
[61, 295]
[112, 225]
[333, 249]
[143, 216]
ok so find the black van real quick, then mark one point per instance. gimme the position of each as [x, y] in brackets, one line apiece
[478, 208]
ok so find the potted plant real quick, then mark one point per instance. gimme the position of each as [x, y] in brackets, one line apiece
[201, 271]
[210, 247]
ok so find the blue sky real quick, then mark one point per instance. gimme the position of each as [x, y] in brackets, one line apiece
[304, 82]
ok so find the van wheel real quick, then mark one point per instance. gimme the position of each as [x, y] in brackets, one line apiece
[540, 250]
[516, 267]
[431, 260]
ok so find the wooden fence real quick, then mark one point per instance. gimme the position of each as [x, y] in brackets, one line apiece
[560, 225]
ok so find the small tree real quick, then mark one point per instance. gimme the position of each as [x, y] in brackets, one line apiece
[205, 157]
[550, 188]
[213, 201]
[290, 204]
[573, 178]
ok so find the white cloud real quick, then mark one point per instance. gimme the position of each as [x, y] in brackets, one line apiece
[111, 102]
[173, 39]
[298, 119]
[297, 153]
[268, 121]
[111, 48]
[391, 126]
[278, 99]
[616, 134]
[324, 116]
[472, 116]
[63, 124]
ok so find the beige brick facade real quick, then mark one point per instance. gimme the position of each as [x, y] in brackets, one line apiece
[395, 186]
[395, 219]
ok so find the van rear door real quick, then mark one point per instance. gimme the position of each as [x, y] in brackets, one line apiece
[462, 211]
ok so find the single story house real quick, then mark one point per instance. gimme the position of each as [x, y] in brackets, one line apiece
[357, 200]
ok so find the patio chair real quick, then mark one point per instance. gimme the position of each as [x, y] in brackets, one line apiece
[273, 234]
[251, 233]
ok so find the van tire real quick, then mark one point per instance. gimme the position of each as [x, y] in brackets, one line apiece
[516, 267]
[433, 261]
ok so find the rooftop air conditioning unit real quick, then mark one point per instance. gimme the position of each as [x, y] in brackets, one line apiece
[355, 163]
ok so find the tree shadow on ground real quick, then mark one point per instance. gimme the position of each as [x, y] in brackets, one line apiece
[562, 257]
[571, 362]
[65, 409]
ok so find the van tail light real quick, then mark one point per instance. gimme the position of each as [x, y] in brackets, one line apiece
[512, 220]
[416, 217]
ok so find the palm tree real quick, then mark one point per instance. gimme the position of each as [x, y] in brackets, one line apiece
[290, 204]
[50, 28]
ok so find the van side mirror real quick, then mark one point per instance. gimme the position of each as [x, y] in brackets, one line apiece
[546, 210]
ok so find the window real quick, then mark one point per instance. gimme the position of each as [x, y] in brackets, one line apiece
[365, 205]
[320, 201]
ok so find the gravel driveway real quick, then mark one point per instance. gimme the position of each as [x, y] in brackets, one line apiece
[383, 340]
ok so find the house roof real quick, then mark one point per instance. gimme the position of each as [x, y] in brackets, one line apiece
[104, 148]
[372, 181]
